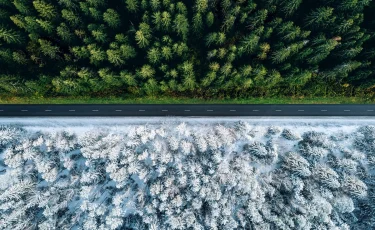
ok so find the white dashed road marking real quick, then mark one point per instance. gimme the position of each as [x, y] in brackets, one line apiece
[356, 111]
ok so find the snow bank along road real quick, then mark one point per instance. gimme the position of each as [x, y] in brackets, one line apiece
[187, 110]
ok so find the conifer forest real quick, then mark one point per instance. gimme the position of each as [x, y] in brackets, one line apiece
[165, 175]
[205, 48]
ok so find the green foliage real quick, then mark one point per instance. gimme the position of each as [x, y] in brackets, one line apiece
[143, 35]
[9, 36]
[19, 57]
[201, 6]
[197, 22]
[12, 84]
[151, 87]
[258, 18]
[115, 57]
[99, 35]
[249, 44]
[64, 32]
[146, 71]
[95, 13]
[70, 17]
[45, 25]
[112, 18]
[166, 52]
[221, 48]
[210, 18]
[155, 4]
[166, 20]
[320, 17]
[132, 5]
[290, 6]
[97, 55]
[22, 6]
[154, 55]
[181, 25]
[48, 49]
[44, 9]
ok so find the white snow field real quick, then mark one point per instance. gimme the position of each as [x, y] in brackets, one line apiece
[187, 173]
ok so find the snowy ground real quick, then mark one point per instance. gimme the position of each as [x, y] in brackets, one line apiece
[78, 124]
[187, 173]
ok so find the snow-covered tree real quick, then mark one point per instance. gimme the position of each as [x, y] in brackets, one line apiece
[354, 187]
[318, 139]
[256, 148]
[290, 135]
[343, 204]
[326, 176]
[9, 134]
[296, 164]
[273, 130]
[157, 176]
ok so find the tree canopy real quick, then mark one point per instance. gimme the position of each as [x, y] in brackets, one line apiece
[257, 48]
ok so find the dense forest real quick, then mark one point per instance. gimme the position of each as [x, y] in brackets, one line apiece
[187, 176]
[205, 48]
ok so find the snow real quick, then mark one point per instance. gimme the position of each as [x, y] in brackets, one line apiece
[218, 173]
[82, 124]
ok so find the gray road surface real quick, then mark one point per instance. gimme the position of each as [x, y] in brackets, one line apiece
[136, 110]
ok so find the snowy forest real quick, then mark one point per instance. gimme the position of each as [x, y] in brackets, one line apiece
[184, 175]
[179, 48]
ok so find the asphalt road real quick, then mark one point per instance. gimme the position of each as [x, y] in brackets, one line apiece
[136, 110]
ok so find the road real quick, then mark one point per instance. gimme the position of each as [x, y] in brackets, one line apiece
[136, 110]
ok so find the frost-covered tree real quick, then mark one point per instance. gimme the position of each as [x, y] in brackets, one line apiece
[185, 176]
[318, 139]
[354, 187]
[290, 135]
[256, 148]
[272, 130]
[344, 204]
[296, 164]
[9, 134]
[326, 176]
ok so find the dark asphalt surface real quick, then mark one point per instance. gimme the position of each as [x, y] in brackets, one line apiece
[136, 110]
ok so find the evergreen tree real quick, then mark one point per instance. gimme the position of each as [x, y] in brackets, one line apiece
[143, 35]
[132, 5]
[181, 25]
[275, 47]
[9, 36]
[146, 71]
[112, 18]
[44, 9]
